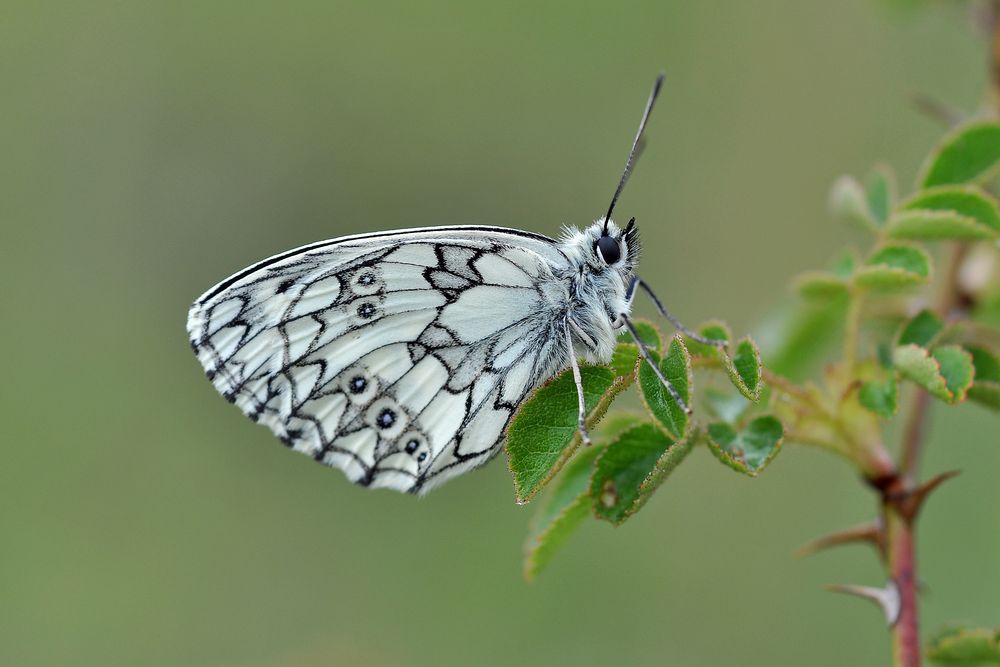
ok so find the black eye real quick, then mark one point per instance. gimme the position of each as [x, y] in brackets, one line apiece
[609, 249]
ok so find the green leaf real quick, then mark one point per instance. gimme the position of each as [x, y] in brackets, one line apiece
[946, 372]
[648, 332]
[665, 465]
[566, 505]
[880, 396]
[849, 202]
[987, 364]
[915, 364]
[956, 213]
[967, 200]
[956, 368]
[745, 369]
[893, 267]
[821, 285]
[921, 329]
[937, 226]
[619, 484]
[880, 193]
[966, 647]
[969, 154]
[985, 387]
[749, 450]
[543, 433]
[676, 368]
[626, 353]
[713, 330]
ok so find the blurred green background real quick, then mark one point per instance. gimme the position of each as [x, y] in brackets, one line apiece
[152, 148]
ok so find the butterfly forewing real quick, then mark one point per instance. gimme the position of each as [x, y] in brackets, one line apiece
[398, 357]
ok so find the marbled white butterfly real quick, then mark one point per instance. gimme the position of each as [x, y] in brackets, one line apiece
[400, 357]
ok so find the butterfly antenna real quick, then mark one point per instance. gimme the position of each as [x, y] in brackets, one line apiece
[636, 148]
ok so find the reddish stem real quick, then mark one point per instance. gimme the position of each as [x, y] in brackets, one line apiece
[902, 565]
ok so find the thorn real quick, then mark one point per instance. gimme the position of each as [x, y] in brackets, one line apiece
[886, 598]
[870, 532]
[937, 110]
[925, 489]
[911, 501]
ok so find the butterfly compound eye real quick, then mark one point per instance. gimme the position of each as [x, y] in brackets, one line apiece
[610, 250]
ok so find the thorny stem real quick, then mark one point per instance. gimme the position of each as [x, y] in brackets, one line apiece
[900, 519]
[901, 557]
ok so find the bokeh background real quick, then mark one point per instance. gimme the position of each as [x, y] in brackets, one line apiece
[149, 149]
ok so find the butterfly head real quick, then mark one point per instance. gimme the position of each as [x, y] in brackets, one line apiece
[601, 258]
[613, 247]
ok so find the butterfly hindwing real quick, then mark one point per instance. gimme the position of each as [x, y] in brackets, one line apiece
[399, 358]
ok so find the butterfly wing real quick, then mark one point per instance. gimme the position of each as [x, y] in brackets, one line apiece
[399, 357]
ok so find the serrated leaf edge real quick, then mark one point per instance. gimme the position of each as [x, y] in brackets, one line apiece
[737, 379]
[896, 228]
[945, 394]
[689, 423]
[949, 140]
[731, 462]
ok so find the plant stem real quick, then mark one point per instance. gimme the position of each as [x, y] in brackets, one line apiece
[914, 435]
[900, 516]
[901, 556]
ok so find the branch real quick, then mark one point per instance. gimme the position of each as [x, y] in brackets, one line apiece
[901, 496]
[902, 564]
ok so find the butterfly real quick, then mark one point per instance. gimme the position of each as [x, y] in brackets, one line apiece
[400, 357]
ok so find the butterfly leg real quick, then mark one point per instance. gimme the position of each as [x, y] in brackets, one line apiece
[582, 420]
[644, 351]
[619, 321]
[630, 296]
